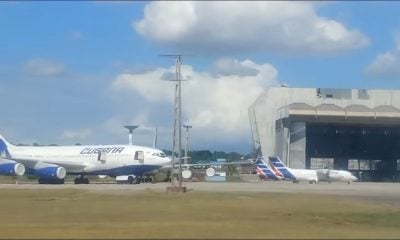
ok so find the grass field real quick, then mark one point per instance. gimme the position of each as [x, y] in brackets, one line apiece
[72, 213]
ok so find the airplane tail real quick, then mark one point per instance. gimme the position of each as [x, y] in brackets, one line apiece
[4, 147]
[280, 169]
[264, 171]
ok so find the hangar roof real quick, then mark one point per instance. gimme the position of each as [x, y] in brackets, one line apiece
[357, 112]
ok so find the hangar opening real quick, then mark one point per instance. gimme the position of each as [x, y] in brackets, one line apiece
[370, 151]
[349, 129]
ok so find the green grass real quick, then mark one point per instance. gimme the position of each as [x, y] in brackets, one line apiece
[72, 213]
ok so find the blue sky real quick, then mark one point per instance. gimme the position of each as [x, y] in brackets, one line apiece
[77, 71]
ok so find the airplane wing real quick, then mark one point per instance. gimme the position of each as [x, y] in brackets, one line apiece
[219, 163]
[249, 162]
[69, 166]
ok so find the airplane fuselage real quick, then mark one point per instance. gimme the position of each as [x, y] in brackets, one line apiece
[304, 175]
[336, 176]
[110, 160]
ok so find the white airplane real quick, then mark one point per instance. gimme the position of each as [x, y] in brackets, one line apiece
[52, 163]
[290, 174]
[335, 176]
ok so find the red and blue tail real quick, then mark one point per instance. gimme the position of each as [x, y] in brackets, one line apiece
[279, 168]
[264, 171]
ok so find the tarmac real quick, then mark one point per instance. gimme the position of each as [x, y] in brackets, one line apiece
[366, 190]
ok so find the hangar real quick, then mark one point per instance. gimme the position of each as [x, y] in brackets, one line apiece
[350, 129]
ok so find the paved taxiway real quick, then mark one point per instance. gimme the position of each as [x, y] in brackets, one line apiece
[371, 191]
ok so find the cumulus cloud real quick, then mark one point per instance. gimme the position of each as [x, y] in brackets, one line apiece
[284, 27]
[229, 66]
[76, 134]
[386, 65]
[44, 68]
[215, 104]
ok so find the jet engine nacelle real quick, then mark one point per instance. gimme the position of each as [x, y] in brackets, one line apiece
[49, 171]
[11, 168]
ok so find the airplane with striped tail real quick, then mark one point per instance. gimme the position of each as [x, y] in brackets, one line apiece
[52, 163]
[291, 174]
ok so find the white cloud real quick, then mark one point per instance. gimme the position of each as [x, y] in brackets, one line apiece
[44, 68]
[284, 27]
[215, 104]
[229, 66]
[113, 128]
[76, 134]
[386, 65]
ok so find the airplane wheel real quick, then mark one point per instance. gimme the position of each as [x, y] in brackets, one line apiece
[81, 181]
[138, 180]
[130, 179]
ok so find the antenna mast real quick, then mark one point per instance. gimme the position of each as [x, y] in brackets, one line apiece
[177, 135]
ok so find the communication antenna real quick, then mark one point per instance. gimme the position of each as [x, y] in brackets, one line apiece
[177, 141]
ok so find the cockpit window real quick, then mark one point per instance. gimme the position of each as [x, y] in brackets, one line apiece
[159, 154]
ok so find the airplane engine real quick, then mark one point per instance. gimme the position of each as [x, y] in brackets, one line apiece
[11, 168]
[49, 171]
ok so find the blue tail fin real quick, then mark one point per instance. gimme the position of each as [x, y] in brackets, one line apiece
[263, 170]
[4, 152]
[280, 169]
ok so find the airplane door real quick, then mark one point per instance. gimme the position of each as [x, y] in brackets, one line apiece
[139, 155]
[102, 157]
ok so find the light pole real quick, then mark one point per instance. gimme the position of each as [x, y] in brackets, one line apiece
[131, 128]
[155, 139]
[186, 143]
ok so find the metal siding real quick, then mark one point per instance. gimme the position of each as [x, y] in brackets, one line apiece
[270, 106]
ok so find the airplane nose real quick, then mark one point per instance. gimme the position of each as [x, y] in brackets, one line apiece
[167, 160]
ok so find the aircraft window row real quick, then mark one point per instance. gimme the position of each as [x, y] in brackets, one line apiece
[139, 156]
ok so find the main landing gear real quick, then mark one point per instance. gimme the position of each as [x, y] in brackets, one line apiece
[134, 179]
[138, 180]
[81, 180]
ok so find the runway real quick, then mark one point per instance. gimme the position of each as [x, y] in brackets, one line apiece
[366, 190]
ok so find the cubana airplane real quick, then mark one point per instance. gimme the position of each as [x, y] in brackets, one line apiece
[290, 174]
[329, 175]
[52, 163]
